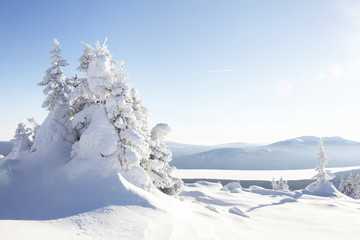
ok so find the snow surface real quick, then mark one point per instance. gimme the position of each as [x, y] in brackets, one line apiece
[202, 211]
[251, 174]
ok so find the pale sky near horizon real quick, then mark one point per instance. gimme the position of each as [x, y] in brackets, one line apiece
[215, 71]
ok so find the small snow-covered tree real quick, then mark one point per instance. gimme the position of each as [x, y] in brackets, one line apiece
[54, 80]
[100, 70]
[24, 135]
[79, 94]
[323, 175]
[158, 165]
[280, 185]
[357, 192]
[85, 59]
[56, 131]
[322, 186]
[349, 185]
[342, 185]
[357, 179]
[274, 184]
[130, 119]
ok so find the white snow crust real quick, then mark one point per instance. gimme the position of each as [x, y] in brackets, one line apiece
[202, 211]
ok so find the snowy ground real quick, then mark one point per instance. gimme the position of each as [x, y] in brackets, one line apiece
[251, 174]
[205, 211]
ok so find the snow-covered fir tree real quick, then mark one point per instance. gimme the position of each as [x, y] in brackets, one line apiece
[130, 120]
[274, 184]
[322, 186]
[342, 185]
[106, 81]
[323, 175]
[351, 186]
[357, 192]
[86, 58]
[158, 165]
[357, 179]
[282, 185]
[24, 136]
[79, 94]
[57, 125]
[54, 80]
[109, 92]
[100, 70]
[356, 186]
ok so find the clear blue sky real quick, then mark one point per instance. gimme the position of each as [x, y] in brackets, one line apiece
[215, 71]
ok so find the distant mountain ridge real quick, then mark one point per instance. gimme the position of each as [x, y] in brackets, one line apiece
[296, 153]
[181, 149]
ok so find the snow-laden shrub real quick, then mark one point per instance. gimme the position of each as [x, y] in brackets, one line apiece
[24, 138]
[280, 185]
[158, 165]
[351, 186]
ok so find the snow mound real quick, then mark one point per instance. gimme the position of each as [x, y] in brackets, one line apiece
[232, 187]
[323, 189]
[204, 212]
[237, 211]
[52, 143]
[33, 195]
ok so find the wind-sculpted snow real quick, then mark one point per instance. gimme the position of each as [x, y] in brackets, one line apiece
[36, 196]
[202, 211]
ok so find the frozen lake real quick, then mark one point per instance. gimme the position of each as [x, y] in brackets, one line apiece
[252, 174]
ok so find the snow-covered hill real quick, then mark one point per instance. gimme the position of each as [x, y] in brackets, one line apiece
[180, 149]
[203, 211]
[297, 153]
